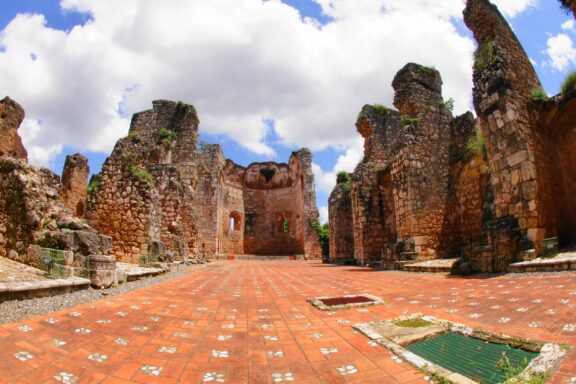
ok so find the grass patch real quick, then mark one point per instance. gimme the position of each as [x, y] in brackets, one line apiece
[417, 322]
[538, 94]
[485, 55]
[141, 174]
[426, 70]
[410, 121]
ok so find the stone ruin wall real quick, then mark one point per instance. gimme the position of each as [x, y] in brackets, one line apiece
[142, 195]
[11, 116]
[491, 206]
[34, 216]
[74, 188]
[530, 162]
[233, 215]
[341, 224]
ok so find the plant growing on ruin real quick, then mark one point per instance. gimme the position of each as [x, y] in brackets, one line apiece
[134, 136]
[485, 55]
[360, 116]
[345, 180]
[509, 369]
[426, 70]
[410, 121]
[323, 232]
[380, 109]
[267, 173]
[449, 104]
[141, 174]
[477, 145]
[569, 84]
[166, 136]
[538, 94]
[94, 185]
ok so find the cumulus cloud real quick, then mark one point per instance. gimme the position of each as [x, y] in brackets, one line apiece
[568, 25]
[512, 8]
[242, 63]
[561, 52]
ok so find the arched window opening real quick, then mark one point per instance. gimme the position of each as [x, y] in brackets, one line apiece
[235, 223]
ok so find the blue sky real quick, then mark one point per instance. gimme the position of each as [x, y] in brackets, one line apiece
[269, 78]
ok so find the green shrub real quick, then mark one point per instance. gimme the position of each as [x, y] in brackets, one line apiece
[380, 109]
[94, 184]
[323, 232]
[165, 134]
[485, 55]
[426, 70]
[268, 173]
[477, 145]
[538, 94]
[410, 121]
[140, 173]
[569, 84]
[345, 180]
[449, 104]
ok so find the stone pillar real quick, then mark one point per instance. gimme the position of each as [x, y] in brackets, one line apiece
[341, 222]
[74, 187]
[420, 170]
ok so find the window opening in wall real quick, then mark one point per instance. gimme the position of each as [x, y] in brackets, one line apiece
[235, 221]
[285, 226]
[232, 223]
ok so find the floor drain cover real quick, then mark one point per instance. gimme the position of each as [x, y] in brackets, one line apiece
[343, 302]
[346, 300]
[473, 358]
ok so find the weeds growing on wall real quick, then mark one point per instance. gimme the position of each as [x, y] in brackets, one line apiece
[410, 121]
[141, 174]
[426, 70]
[94, 184]
[569, 84]
[449, 104]
[538, 94]
[485, 55]
[477, 145]
[345, 180]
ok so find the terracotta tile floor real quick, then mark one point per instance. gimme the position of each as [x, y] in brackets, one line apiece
[249, 322]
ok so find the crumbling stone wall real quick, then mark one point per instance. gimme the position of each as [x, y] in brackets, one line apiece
[520, 156]
[341, 223]
[145, 190]
[233, 215]
[34, 216]
[74, 188]
[11, 116]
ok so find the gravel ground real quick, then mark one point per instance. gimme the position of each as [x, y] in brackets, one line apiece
[16, 310]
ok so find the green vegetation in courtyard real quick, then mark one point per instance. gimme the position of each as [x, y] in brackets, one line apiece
[416, 322]
[141, 174]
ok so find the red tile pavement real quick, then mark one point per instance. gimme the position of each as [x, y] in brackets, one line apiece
[249, 322]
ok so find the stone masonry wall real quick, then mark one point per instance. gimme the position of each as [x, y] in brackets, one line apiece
[143, 194]
[420, 171]
[341, 223]
[11, 116]
[75, 183]
[503, 81]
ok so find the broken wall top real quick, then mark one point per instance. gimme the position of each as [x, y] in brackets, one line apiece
[11, 116]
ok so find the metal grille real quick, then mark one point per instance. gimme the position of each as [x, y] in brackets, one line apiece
[473, 358]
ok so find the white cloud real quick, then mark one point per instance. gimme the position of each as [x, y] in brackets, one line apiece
[323, 214]
[561, 51]
[38, 153]
[325, 180]
[240, 62]
[568, 25]
[512, 8]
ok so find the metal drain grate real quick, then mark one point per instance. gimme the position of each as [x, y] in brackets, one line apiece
[473, 358]
[346, 300]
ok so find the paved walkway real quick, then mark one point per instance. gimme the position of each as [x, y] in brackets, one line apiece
[248, 322]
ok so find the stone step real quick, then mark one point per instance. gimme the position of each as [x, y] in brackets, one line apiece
[434, 266]
[559, 263]
[43, 288]
[132, 272]
[258, 257]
